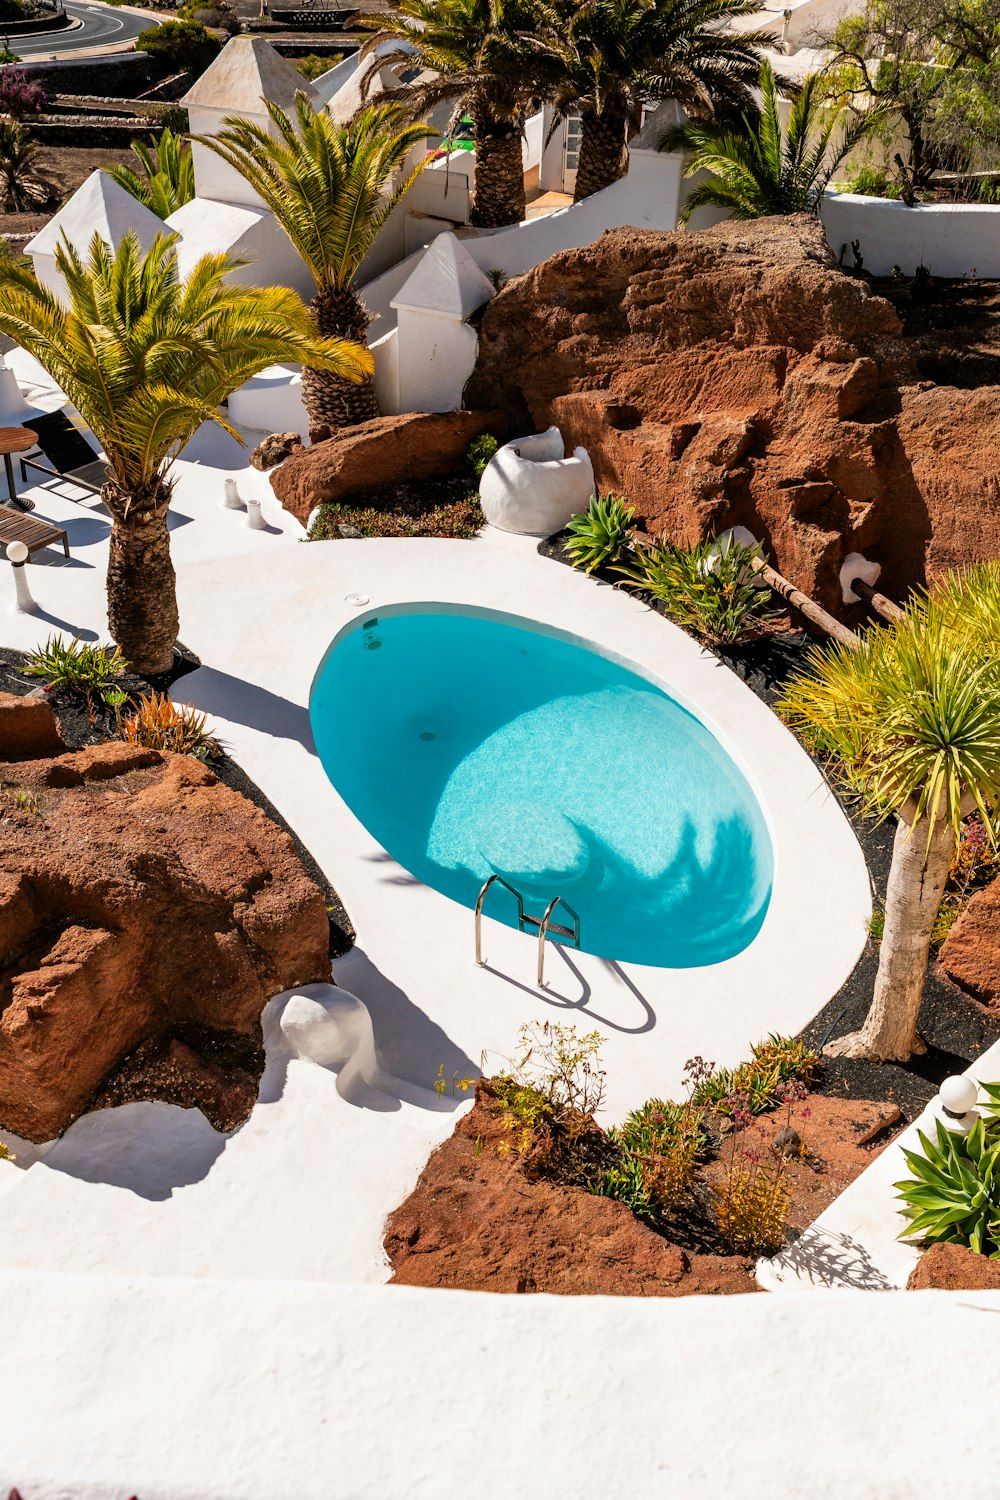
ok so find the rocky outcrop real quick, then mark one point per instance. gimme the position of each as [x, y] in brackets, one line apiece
[954, 1268]
[275, 449]
[970, 954]
[738, 377]
[139, 899]
[376, 457]
[27, 727]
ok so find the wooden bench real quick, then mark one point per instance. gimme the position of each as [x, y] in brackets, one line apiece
[31, 530]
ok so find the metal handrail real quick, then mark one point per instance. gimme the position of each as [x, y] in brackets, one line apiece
[479, 911]
[543, 928]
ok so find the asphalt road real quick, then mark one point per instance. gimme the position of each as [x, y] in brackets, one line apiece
[103, 26]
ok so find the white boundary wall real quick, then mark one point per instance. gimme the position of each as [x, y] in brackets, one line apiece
[950, 239]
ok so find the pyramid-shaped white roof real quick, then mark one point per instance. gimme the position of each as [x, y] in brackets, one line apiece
[246, 71]
[101, 205]
[446, 280]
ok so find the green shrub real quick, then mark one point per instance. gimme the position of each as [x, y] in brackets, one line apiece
[184, 45]
[160, 724]
[952, 1195]
[871, 182]
[762, 1081]
[315, 65]
[90, 671]
[601, 536]
[480, 452]
[708, 589]
[217, 14]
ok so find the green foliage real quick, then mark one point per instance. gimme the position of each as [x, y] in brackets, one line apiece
[76, 667]
[315, 65]
[709, 589]
[439, 510]
[7, 57]
[952, 1195]
[752, 1206]
[480, 452]
[661, 1145]
[870, 182]
[602, 535]
[218, 15]
[330, 186]
[760, 1082]
[23, 801]
[20, 184]
[184, 45]
[166, 181]
[756, 168]
[876, 922]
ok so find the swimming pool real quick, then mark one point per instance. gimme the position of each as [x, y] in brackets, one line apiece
[470, 744]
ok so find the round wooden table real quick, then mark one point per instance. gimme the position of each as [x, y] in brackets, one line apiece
[15, 440]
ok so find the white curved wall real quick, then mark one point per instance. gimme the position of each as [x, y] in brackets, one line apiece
[951, 239]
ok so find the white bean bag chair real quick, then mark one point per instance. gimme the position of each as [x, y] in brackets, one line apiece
[531, 487]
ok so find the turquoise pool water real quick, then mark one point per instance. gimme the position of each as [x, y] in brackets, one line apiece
[468, 744]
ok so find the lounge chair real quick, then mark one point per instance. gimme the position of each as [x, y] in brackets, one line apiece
[69, 454]
[32, 530]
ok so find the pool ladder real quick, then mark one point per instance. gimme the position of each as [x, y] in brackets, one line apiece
[546, 926]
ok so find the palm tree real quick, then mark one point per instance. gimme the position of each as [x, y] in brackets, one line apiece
[166, 182]
[331, 188]
[20, 184]
[613, 55]
[912, 716]
[479, 54]
[146, 357]
[758, 169]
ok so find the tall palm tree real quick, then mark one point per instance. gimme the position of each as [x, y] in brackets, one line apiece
[331, 188]
[480, 55]
[166, 180]
[759, 169]
[611, 56]
[912, 716]
[146, 357]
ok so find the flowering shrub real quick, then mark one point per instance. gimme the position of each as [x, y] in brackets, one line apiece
[751, 1202]
[761, 1082]
[20, 95]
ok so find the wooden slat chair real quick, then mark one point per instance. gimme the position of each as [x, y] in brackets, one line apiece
[31, 530]
[69, 454]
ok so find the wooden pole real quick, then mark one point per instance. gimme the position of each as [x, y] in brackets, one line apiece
[883, 606]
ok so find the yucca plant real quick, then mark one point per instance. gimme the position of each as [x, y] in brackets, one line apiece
[709, 589]
[952, 1195]
[756, 168]
[160, 724]
[331, 188]
[77, 667]
[601, 536]
[147, 356]
[912, 719]
[166, 180]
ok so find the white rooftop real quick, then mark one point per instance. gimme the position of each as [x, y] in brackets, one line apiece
[246, 71]
[446, 280]
[98, 205]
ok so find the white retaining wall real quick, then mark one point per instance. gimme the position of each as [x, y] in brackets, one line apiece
[949, 239]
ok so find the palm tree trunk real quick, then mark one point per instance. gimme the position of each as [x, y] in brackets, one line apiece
[330, 400]
[498, 193]
[916, 885]
[602, 148]
[142, 587]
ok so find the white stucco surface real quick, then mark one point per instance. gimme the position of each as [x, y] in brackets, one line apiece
[950, 239]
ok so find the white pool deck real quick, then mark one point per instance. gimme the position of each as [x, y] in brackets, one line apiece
[118, 1234]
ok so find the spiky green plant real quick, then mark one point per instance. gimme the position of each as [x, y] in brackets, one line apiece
[20, 184]
[601, 536]
[166, 181]
[952, 1195]
[912, 719]
[147, 356]
[77, 667]
[331, 188]
[710, 589]
[755, 168]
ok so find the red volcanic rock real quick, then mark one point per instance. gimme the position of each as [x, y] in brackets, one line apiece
[27, 727]
[738, 377]
[970, 954]
[475, 1221]
[137, 894]
[953, 1268]
[376, 457]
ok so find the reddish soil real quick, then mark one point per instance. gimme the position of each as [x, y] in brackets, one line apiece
[953, 1268]
[475, 1221]
[62, 169]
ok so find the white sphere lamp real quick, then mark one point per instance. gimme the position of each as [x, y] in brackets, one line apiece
[957, 1097]
[17, 556]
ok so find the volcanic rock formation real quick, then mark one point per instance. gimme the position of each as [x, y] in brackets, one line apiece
[738, 377]
[376, 457]
[138, 895]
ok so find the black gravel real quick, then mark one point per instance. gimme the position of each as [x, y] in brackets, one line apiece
[79, 728]
[955, 1028]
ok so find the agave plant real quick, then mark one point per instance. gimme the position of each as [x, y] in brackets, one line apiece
[160, 724]
[709, 589]
[602, 535]
[953, 1193]
[74, 666]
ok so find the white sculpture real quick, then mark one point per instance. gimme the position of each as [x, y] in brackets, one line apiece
[856, 565]
[531, 487]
